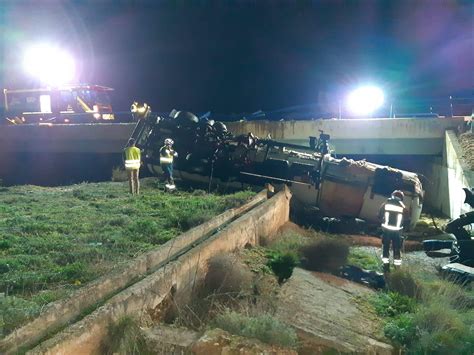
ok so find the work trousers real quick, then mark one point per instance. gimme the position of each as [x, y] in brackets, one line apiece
[168, 173]
[133, 181]
[395, 238]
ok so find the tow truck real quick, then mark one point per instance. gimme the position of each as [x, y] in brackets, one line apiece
[64, 104]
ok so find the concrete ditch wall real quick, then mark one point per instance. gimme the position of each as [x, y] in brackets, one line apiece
[60, 313]
[179, 276]
[448, 175]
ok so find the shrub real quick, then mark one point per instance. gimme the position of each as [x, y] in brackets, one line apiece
[402, 281]
[124, 338]
[326, 254]
[442, 330]
[225, 275]
[401, 329]
[264, 327]
[282, 264]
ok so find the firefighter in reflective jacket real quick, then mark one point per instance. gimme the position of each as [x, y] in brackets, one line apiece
[391, 213]
[167, 155]
[132, 161]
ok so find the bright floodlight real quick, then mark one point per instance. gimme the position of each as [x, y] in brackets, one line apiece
[365, 100]
[49, 64]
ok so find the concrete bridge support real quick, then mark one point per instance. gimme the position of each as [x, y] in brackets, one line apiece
[447, 176]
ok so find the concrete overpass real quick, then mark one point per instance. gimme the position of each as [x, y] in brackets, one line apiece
[381, 136]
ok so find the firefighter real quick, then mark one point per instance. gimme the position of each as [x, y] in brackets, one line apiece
[391, 214]
[167, 155]
[132, 162]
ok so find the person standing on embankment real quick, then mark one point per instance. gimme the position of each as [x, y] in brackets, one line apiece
[132, 162]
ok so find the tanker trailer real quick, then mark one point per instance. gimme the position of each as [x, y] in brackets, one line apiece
[208, 153]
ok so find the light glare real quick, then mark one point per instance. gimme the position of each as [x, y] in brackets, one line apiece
[365, 100]
[49, 64]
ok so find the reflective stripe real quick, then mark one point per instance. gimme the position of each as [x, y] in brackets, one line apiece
[399, 220]
[393, 208]
[166, 160]
[392, 228]
[397, 262]
[386, 260]
[390, 209]
[132, 164]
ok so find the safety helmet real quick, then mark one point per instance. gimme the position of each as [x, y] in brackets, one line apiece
[220, 127]
[169, 141]
[399, 194]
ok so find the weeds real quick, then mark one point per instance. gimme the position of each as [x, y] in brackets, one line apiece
[442, 330]
[401, 329]
[403, 282]
[14, 312]
[391, 304]
[437, 319]
[264, 327]
[125, 338]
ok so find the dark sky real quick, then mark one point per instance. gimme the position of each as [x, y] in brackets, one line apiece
[236, 56]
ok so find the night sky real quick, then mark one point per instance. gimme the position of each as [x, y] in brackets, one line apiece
[242, 56]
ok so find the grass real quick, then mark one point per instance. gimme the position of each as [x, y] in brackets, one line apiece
[365, 260]
[53, 240]
[263, 327]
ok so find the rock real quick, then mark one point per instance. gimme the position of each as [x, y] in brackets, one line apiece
[219, 342]
[326, 315]
[164, 339]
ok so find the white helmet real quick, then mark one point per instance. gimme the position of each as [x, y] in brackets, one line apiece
[169, 141]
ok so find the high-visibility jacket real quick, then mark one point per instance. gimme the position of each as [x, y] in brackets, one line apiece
[132, 157]
[166, 155]
[392, 214]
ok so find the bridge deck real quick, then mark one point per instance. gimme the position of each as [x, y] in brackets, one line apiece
[355, 136]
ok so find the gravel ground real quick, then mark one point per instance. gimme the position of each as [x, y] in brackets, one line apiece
[416, 260]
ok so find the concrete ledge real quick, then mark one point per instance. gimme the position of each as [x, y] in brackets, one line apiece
[179, 276]
[60, 313]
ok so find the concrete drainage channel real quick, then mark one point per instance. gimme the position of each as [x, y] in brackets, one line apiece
[144, 283]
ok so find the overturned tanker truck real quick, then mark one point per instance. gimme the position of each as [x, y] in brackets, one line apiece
[207, 153]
